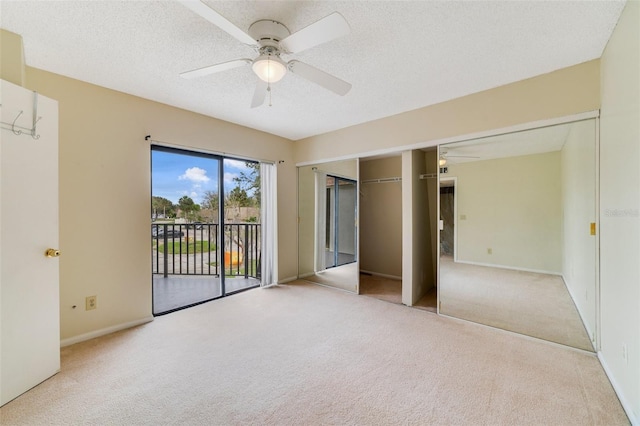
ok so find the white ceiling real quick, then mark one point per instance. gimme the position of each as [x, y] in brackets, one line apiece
[400, 55]
[528, 142]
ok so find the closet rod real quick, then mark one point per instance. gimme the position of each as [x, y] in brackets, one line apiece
[383, 180]
[429, 176]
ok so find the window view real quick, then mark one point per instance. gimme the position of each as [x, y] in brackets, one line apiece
[204, 245]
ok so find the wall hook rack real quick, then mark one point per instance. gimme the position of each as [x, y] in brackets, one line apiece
[20, 130]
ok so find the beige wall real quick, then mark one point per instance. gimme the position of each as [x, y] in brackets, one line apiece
[417, 264]
[11, 57]
[560, 93]
[512, 206]
[381, 218]
[619, 208]
[105, 194]
[578, 169]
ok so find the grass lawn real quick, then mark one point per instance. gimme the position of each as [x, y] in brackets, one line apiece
[183, 248]
[237, 271]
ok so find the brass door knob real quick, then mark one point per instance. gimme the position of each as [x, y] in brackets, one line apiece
[52, 253]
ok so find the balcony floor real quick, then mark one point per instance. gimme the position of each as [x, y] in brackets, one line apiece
[177, 291]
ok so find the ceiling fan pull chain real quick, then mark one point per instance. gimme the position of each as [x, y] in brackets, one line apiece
[269, 91]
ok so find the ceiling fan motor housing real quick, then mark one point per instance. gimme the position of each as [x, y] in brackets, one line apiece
[268, 34]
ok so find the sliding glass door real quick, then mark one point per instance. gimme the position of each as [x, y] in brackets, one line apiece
[242, 234]
[205, 231]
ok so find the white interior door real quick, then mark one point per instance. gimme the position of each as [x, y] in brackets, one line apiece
[29, 281]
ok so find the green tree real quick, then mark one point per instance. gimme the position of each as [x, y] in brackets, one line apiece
[249, 181]
[238, 198]
[162, 206]
[187, 206]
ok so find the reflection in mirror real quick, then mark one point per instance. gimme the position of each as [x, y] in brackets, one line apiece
[339, 245]
[516, 247]
[327, 232]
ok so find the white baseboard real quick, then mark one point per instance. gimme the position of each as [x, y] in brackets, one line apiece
[623, 400]
[590, 333]
[513, 268]
[103, 331]
[303, 276]
[392, 277]
[287, 280]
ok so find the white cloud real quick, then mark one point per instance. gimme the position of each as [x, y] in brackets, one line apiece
[195, 174]
[236, 164]
[228, 177]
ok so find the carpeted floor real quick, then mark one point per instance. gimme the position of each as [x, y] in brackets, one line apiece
[390, 290]
[381, 288]
[304, 354]
[530, 303]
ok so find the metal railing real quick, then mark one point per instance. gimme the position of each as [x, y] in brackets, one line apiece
[191, 249]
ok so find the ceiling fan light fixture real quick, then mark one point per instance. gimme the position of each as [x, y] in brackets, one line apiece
[442, 162]
[269, 68]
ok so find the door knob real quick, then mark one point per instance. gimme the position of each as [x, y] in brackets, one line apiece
[52, 253]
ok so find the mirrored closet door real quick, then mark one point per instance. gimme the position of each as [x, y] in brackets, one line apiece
[327, 224]
[518, 232]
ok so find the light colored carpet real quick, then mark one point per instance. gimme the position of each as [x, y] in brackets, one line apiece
[381, 288]
[537, 305]
[303, 354]
[344, 277]
[390, 290]
[429, 301]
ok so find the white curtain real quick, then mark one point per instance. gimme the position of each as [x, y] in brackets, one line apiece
[269, 220]
[320, 221]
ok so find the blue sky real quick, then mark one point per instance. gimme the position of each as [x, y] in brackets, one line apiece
[175, 175]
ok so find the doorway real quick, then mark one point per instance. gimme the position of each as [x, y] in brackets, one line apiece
[206, 234]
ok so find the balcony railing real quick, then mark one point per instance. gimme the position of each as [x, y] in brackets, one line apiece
[191, 249]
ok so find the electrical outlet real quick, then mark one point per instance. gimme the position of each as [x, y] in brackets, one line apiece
[91, 302]
[489, 251]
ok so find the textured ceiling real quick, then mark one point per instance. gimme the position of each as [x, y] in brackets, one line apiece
[528, 142]
[400, 55]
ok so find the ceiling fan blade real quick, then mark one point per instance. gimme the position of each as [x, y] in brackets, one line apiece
[218, 20]
[211, 69]
[320, 77]
[326, 29]
[260, 94]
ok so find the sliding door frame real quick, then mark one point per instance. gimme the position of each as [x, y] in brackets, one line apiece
[220, 240]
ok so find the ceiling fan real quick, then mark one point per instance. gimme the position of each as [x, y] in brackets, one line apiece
[271, 39]
[444, 156]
